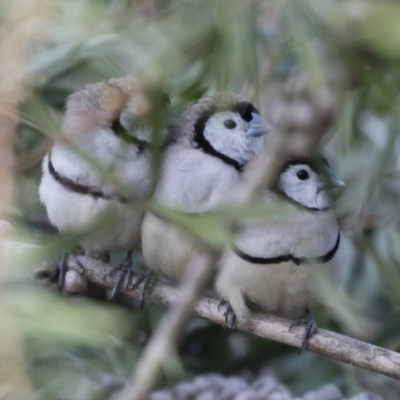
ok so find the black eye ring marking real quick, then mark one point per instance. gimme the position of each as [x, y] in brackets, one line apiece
[230, 124]
[243, 108]
[302, 175]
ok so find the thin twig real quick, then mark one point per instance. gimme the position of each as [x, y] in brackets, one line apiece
[327, 343]
[170, 328]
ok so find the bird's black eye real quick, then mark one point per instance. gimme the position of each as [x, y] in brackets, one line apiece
[230, 124]
[302, 174]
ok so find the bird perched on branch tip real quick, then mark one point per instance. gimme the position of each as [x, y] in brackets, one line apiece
[95, 175]
[211, 144]
[268, 267]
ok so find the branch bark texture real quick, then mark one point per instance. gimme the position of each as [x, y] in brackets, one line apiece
[326, 343]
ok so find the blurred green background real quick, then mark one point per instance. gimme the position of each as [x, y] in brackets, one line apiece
[348, 51]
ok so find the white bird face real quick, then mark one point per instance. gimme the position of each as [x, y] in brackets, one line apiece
[307, 184]
[235, 135]
[226, 132]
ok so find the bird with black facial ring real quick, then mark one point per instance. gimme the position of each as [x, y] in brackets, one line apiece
[268, 266]
[105, 129]
[211, 144]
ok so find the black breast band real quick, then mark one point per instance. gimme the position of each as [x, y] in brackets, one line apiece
[74, 187]
[289, 257]
[122, 133]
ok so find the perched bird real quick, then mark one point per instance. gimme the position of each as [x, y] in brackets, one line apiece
[267, 268]
[211, 144]
[104, 130]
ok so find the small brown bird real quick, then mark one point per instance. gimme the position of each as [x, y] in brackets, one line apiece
[211, 144]
[104, 130]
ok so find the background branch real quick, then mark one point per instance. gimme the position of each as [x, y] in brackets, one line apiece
[327, 343]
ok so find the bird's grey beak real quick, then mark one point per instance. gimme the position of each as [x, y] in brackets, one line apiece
[331, 180]
[258, 126]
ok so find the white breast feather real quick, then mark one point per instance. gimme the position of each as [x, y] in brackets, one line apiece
[285, 288]
[70, 211]
[192, 181]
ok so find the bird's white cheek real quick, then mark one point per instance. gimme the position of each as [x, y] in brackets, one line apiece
[257, 144]
[323, 200]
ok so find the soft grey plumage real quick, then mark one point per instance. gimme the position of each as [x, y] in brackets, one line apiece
[212, 142]
[268, 266]
[76, 195]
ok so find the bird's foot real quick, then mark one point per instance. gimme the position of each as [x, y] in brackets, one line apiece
[229, 314]
[221, 303]
[62, 268]
[126, 275]
[71, 280]
[146, 284]
[310, 328]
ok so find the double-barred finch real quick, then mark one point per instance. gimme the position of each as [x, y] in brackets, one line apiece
[104, 122]
[268, 267]
[211, 144]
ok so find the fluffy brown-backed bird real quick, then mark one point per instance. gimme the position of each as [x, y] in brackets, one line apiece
[78, 196]
[212, 142]
[268, 267]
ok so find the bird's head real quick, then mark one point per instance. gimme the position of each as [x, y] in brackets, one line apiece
[225, 126]
[306, 179]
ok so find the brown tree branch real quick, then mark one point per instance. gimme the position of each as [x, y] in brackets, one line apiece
[327, 343]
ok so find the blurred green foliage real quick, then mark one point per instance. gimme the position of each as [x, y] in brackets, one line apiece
[350, 48]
